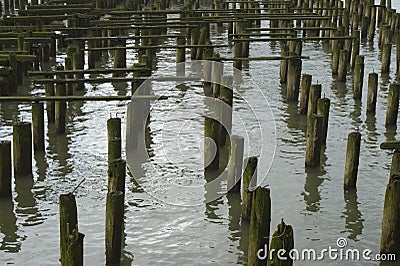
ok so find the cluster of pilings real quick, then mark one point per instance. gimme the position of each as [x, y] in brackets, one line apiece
[33, 35]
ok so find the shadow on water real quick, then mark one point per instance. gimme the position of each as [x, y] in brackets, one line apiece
[355, 115]
[26, 203]
[11, 241]
[41, 165]
[238, 231]
[314, 179]
[353, 217]
[294, 119]
[340, 91]
[58, 148]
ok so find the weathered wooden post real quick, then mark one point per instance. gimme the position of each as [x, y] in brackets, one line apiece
[211, 143]
[293, 79]
[372, 24]
[323, 110]
[282, 238]
[38, 126]
[342, 69]
[237, 53]
[50, 105]
[352, 160]
[180, 56]
[393, 145]
[390, 237]
[259, 231]
[250, 173]
[22, 148]
[114, 138]
[304, 93]
[71, 241]
[5, 168]
[60, 106]
[386, 54]
[314, 140]
[235, 165]
[392, 105]
[116, 175]
[358, 77]
[120, 56]
[313, 97]
[372, 92]
[114, 225]
[284, 64]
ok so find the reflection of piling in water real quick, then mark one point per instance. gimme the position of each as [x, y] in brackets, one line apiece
[8, 226]
[5, 169]
[353, 219]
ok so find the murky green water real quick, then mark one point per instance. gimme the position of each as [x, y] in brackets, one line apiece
[311, 200]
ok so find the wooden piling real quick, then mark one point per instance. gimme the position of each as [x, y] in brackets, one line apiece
[5, 168]
[237, 53]
[390, 237]
[119, 58]
[358, 77]
[38, 126]
[116, 175]
[114, 225]
[386, 54]
[352, 160]
[293, 79]
[60, 106]
[68, 223]
[114, 138]
[342, 69]
[284, 64]
[392, 105]
[250, 173]
[22, 148]
[282, 238]
[372, 24]
[235, 165]
[335, 59]
[259, 231]
[50, 105]
[304, 93]
[313, 97]
[323, 107]
[211, 143]
[314, 140]
[372, 92]
[395, 165]
[180, 56]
